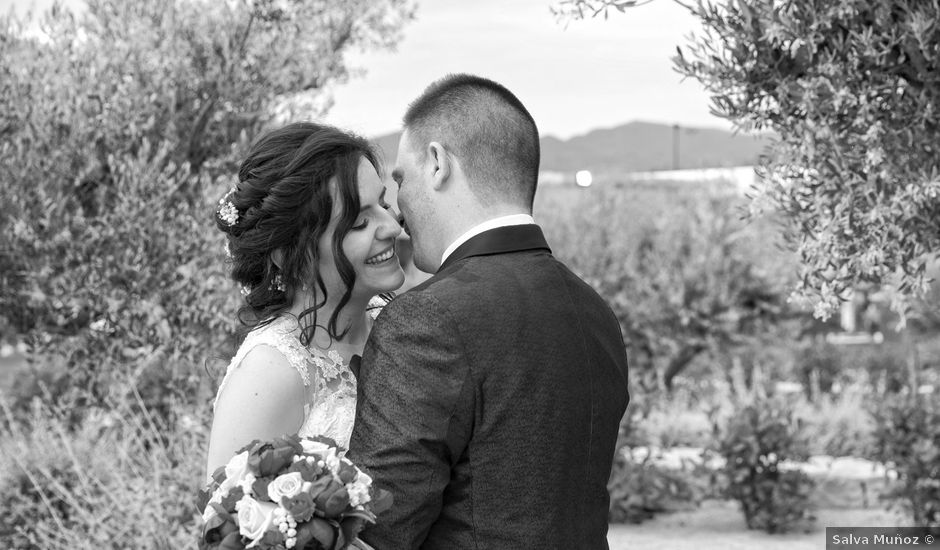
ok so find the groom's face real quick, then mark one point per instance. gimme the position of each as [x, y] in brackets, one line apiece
[414, 201]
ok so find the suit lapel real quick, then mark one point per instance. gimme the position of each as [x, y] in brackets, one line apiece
[512, 238]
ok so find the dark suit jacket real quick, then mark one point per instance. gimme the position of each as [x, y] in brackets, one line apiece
[490, 399]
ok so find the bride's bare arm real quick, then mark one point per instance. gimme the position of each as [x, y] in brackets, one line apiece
[263, 398]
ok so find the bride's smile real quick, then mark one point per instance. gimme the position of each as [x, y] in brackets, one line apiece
[382, 257]
[369, 245]
[311, 241]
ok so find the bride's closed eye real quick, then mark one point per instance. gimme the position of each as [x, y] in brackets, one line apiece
[365, 221]
[361, 225]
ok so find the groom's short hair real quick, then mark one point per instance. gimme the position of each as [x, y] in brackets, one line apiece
[489, 131]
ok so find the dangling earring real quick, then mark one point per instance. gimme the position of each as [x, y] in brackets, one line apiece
[277, 283]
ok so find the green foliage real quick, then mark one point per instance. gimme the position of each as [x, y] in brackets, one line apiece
[851, 91]
[119, 127]
[639, 488]
[124, 479]
[582, 8]
[820, 366]
[760, 445]
[882, 368]
[907, 439]
[679, 271]
[835, 422]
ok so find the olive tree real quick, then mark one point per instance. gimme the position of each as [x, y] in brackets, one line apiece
[120, 126]
[850, 89]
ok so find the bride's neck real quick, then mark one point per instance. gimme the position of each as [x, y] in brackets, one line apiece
[353, 315]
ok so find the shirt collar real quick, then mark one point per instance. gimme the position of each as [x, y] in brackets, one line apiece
[503, 221]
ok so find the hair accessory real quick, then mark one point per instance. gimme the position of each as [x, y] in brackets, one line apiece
[278, 283]
[227, 211]
[245, 290]
[228, 249]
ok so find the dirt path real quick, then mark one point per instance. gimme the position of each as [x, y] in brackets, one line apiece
[718, 525]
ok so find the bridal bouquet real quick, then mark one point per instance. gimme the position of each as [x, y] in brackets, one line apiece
[290, 493]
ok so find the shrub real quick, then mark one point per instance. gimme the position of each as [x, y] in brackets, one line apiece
[851, 90]
[760, 444]
[907, 440]
[836, 423]
[819, 367]
[886, 367]
[640, 489]
[825, 368]
[123, 480]
[676, 270]
[119, 129]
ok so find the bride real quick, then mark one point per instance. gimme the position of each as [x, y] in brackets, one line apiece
[311, 241]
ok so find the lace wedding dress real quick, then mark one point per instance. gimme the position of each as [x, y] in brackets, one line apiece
[330, 409]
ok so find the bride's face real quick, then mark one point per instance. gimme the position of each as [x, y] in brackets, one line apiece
[370, 244]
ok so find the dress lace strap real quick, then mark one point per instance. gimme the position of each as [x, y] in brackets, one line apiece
[281, 335]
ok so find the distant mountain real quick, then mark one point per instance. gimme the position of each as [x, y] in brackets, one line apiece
[634, 147]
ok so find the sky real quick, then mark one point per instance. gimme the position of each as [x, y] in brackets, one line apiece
[591, 74]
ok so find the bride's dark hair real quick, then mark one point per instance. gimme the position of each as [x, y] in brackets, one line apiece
[282, 201]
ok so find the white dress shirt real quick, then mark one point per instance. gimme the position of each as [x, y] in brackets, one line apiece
[503, 221]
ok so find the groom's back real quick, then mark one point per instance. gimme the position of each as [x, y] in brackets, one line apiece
[549, 376]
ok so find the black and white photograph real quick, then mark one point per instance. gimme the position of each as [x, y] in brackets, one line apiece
[469, 275]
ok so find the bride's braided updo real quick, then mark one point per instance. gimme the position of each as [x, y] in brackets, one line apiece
[283, 201]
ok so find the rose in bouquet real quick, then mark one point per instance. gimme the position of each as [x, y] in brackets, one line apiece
[290, 493]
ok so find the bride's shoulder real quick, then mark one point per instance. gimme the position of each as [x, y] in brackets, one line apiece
[269, 366]
[270, 355]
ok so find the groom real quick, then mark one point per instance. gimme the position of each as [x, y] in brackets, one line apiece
[490, 396]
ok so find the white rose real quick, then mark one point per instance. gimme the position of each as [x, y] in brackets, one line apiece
[209, 513]
[254, 518]
[247, 482]
[311, 447]
[224, 488]
[287, 485]
[237, 466]
[219, 493]
[235, 471]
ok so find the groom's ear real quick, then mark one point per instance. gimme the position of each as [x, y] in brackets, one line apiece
[441, 165]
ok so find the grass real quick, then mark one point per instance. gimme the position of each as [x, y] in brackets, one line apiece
[8, 368]
[119, 480]
[719, 525]
[123, 479]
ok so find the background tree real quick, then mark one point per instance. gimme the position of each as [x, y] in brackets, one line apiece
[120, 126]
[851, 91]
[687, 280]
